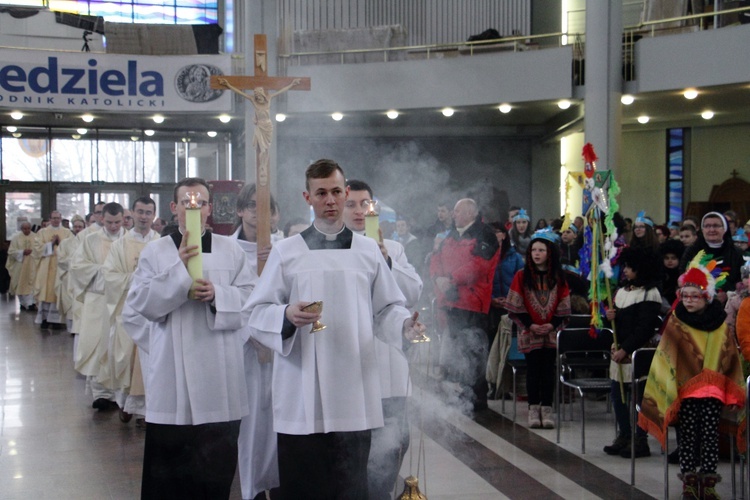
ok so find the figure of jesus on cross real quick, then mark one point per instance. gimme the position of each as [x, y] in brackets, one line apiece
[263, 133]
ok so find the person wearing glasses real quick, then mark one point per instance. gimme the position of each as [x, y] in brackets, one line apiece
[715, 240]
[695, 373]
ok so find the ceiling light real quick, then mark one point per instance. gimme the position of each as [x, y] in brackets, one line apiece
[564, 104]
[225, 118]
[134, 138]
[186, 139]
[75, 136]
[211, 133]
[627, 99]
[707, 115]
[280, 117]
[16, 134]
[448, 111]
[11, 129]
[505, 108]
[16, 115]
[87, 118]
[690, 93]
[82, 131]
[337, 116]
[643, 119]
[158, 119]
[392, 114]
[149, 132]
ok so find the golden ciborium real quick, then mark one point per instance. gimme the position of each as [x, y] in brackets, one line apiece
[316, 307]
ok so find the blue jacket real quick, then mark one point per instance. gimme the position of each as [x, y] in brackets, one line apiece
[504, 272]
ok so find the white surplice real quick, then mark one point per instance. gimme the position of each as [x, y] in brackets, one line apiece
[195, 366]
[258, 455]
[327, 381]
[66, 301]
[21, 267]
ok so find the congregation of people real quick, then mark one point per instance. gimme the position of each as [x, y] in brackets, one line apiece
[296, 373]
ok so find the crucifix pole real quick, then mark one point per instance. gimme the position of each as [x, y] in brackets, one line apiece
[260, 82]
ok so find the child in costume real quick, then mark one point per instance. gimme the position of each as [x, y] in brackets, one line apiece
[539, 303]
[695, 373]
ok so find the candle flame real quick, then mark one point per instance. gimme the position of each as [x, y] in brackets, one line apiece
[371, 209]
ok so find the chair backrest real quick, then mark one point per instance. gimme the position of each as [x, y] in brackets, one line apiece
[642, 359]
[579, 340]
[579, 321]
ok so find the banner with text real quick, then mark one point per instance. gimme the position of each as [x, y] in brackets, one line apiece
[111, 82]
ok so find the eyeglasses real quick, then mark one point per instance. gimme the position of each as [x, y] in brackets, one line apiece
[363, 204]
[98, 212]
[691, 297]
[713, 226]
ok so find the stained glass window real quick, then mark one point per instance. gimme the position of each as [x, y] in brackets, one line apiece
[676, 170]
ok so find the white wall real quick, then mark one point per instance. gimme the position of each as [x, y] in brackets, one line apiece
[642, 176]
[43, 32]
[716, 152]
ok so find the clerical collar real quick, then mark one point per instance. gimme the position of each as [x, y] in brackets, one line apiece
[318, 240]
[205, 240]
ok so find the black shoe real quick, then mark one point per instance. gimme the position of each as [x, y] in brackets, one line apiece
[32, 307]
[619, 444]
[480, 405]
[674, 457]
[55, 326]
[641, 449]
[44, 325]
[101, 404]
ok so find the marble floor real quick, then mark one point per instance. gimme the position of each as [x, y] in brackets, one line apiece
[54, 445]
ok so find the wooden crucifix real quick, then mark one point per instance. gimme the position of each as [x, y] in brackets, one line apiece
[260, 82]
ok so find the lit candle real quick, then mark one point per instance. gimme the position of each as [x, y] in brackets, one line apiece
[372, 222]
[194, 229]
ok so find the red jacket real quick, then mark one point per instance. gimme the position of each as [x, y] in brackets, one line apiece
[469, 261]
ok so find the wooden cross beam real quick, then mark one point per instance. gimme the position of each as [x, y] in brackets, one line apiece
[260, 82]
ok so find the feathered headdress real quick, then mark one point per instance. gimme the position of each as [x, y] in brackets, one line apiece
[703, 273]
[521, 215]
[546, 234]
[641, 217]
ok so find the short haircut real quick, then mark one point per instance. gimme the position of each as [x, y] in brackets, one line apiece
[146, 200]
[321, 169]
[100, 202]
[112, 208]
[355, 185]
[89, 216]
[688, 227]
[191, 181]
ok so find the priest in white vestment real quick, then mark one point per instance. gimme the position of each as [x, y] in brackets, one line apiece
[258, 460]
[67, 304]
[326, 384]
[390, 442]
[91, 357]
[125, 361]
[195, 389]
[45, 252]
[21, 266]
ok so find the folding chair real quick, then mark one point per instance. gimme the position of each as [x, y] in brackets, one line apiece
[577, 351]
[516, 361]
[641, 365]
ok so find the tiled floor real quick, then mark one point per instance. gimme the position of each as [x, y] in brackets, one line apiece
[54, 445]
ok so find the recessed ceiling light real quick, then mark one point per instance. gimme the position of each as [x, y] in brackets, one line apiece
[448, 111]
[82, 131]
[135, 138]
[158, 119]
[505, 108]
[280, 117]
[392, 114]
[11, 129]
[643, 119]
[225, 118]
[707, 115]
[16, 115]
[564, 104]
[75, 136]
[149, 132]
[16, 134]
[627, 99]
[211, 133]
[337, 116]
[690, 93]
[87, 118]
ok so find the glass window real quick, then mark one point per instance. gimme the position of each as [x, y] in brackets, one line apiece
[72, 160]
[19, 205]
[144, 11]
[675, 173]
[70, 204]
[121, 198]
[24, 159]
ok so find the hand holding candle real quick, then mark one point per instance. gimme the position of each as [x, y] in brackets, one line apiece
[372, 221]
[414, 331]
[192, 237]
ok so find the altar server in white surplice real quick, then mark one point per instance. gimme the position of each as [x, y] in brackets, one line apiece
[258, 460]
[390, 442]
[91, 357]
[326, 385]
[195, 387]
[118, 271]
[21, 266]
